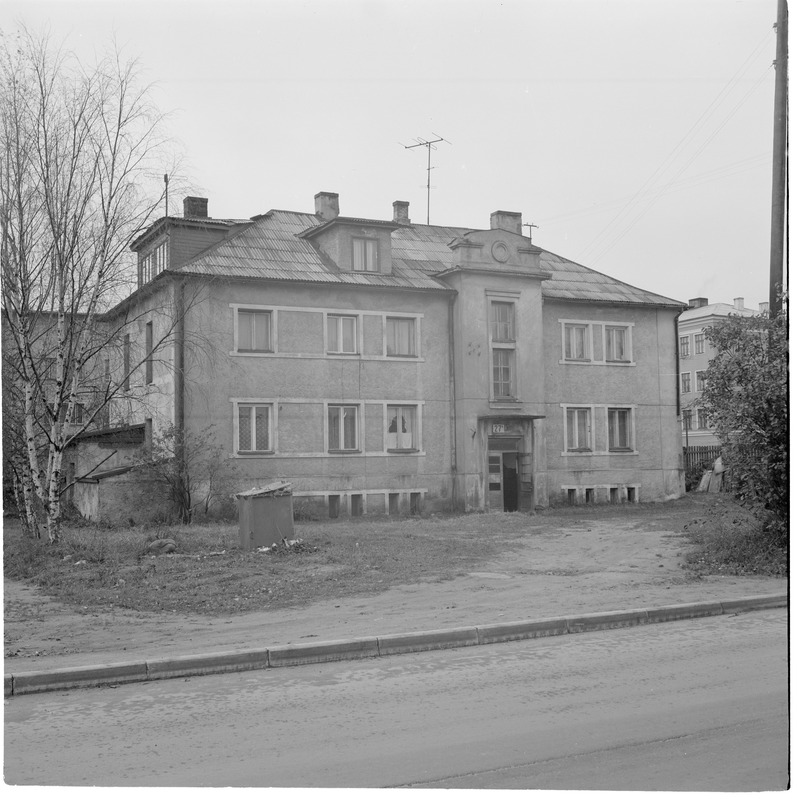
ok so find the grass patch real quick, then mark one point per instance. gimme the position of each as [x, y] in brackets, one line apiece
[210, 574]
[732, 539]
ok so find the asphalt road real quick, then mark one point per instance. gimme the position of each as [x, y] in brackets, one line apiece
[693, 705]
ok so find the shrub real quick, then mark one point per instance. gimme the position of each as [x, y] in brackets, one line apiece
[736, 541]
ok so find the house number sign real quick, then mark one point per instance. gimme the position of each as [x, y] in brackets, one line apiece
[498, 428]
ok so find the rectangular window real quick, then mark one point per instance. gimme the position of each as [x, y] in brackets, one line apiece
[619, 428]
[700, 381]
[254, 428]
[400, 336]
[685, 347]
[254, 331]
[576, 343]
[148, 346]
[342, 428]
[364, 255]
[401, 428]
[687, 420]
[503, 373]
[578, 429]
[685, 382]
[153, 263]
[701, 419]
[342, 334]
[126, 362]
[617, 346]
[502, 322]
[699, 343]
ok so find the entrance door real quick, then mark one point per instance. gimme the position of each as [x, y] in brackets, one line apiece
[510, 481]
[503, 481]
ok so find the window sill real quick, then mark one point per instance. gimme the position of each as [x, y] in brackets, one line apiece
[409, 451]
[343, 354]
[344, 452]
[245, 453]
[254, 352]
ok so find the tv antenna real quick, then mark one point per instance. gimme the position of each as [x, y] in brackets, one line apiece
[431, 145]
[531, 226]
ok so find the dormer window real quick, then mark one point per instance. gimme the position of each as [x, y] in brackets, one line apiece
[154, 262]
[364, 255]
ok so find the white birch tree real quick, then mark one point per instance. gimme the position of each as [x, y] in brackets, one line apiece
[78, 150]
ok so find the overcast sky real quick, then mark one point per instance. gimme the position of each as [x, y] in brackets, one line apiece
[636, 134]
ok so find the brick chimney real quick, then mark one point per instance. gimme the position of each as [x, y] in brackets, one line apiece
[763, 307]
[326, 205]
[697, 302]
[738, 302]
[195, 206]
[507, 220]
[401, 212]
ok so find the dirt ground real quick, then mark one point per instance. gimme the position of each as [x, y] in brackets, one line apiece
[578, 563]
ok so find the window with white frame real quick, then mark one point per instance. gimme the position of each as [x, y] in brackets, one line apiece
[685, 346]
[700, 381]
[342, 428]
[685, 382]
[502, 373]
[503, 349]
[699, 343]
[253, 427]
[620, 429]
[401, 427]
[153, 263]
[502, 322]
[578, 429]
[401, 336]
[254, 330]
[576, 342]
[701, 419]
[364, 255]
[342, 334]
[617, 343]
[687, 420]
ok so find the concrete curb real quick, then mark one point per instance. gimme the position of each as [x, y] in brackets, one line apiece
[327, 651]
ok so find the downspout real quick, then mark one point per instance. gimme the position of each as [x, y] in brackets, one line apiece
[180, 339]
[453, 416]
[180, 383]
[677, 362]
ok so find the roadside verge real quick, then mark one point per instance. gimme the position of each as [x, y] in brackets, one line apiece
[371, 646]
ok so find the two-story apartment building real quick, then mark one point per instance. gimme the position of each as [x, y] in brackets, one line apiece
[383, 366]
[696, 353]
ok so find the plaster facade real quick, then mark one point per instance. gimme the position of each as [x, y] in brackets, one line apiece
[435, 369]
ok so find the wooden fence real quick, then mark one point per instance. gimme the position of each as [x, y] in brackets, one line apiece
[695, 457]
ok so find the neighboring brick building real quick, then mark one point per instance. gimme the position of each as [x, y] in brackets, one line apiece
[695, 356]
[384, 366]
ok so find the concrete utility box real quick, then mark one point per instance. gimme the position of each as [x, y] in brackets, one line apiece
[266, 515]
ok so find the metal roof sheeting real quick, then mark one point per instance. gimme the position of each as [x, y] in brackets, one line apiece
[270, 248]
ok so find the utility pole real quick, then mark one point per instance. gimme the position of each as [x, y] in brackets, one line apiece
[431, 145]
[778, 182]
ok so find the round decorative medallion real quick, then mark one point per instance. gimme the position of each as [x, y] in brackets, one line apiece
[500, 251]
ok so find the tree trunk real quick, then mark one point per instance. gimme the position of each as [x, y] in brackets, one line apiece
[54, 499]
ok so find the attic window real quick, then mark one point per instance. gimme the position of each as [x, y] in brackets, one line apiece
[364, 255]
[154, 262]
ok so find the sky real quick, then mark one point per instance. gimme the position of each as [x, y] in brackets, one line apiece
[636, 135]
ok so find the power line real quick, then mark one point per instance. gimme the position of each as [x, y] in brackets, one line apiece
[679, 148]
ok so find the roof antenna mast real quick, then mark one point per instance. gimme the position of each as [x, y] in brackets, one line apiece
[431, 145]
